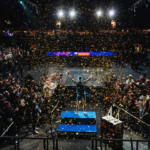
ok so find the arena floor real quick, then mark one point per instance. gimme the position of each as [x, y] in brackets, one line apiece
[122, 71]
[119, 71]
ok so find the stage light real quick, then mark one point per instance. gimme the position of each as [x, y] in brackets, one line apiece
[72, 13]
[111, 13]
[20, 2]
[99, 13]
[60, 13]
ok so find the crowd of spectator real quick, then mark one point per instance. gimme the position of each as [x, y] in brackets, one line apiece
[25, 105]
[13, 58]
[123, 42]
[131, 95]
[82, 41]
[93, 42]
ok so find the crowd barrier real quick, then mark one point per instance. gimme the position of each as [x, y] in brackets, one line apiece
[16, 141]
[121, 115]
[94, 142]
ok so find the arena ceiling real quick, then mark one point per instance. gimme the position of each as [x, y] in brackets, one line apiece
[21, 17]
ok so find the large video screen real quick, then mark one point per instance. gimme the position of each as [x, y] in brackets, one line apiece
[82, 54]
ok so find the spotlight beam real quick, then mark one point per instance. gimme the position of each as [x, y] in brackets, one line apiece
[60, 13]
[111, 13]
[72, 13]
[99, 13]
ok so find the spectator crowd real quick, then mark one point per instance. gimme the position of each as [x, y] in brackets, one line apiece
[13, 58]
[25, 105]
[133, 95]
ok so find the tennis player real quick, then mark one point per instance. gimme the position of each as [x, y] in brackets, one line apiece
[80, 89]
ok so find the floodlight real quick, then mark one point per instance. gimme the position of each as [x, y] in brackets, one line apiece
[20, 2]
[111, 13]
[72, 13]
[60, 13]
[99, 13]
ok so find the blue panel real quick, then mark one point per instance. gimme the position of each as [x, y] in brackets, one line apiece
[71, 114]
[49, 54]
[109, 53]
[77, 128]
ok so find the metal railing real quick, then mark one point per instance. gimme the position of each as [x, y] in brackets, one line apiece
[7, 129]
[16, 139]
[17, 144]
[50, 118]
[94, 142]
[137, 120]
[132, 115]
[14, 122]
[105, 141]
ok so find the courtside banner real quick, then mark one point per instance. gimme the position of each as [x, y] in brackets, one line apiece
[82, 54]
